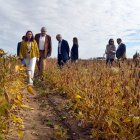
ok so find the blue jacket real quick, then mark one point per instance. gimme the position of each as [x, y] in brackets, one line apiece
[121, 51]
[64, 51]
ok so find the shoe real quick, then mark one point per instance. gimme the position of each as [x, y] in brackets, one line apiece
[30, 82]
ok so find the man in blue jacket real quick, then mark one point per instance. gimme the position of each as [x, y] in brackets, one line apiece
[121, 50]
[63, 50]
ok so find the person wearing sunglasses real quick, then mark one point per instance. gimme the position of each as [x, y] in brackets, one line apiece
[110, 52]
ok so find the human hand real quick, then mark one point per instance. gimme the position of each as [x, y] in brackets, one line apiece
[48, 55]
[20, 58]
[37, 59]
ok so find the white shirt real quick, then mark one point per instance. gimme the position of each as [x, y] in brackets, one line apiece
[119, 45]
[29, 46]
[29, 49]
[59, 47]
[42, 42]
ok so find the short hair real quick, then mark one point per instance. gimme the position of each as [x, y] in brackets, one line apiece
[23, 37]
[43, 29]
[119, 39]
[58, 35]
[32, 38]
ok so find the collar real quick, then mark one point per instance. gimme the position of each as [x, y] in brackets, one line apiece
[119, 44]
[60, 41]
[42, 36]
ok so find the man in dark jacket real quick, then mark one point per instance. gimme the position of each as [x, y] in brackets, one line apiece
[121, 50]
[18, 49]
[45, 48]
[19, 45]
[63, 50]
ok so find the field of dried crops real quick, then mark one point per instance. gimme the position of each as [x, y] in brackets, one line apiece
[104, 99]
[108, 99]
[12, 84]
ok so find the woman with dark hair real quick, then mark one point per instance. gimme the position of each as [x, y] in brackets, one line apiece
[110, 52]
[30, 53]
[74, 50]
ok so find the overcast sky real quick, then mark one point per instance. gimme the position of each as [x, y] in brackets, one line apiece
[94, 22]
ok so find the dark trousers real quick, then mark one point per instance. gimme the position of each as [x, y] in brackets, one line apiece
[60, 61]
[109, 60]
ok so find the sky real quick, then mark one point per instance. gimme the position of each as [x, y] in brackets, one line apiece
[93, 22]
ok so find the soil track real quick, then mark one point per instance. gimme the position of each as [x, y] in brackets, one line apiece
[50, 119]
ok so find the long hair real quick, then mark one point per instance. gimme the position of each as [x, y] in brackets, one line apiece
[75, 41]
[32, 38]
[110, 40]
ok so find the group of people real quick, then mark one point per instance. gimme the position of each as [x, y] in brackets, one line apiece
[36, 49]
[111, 51]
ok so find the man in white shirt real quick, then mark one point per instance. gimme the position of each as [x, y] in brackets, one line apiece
[45, 47]
[42, 42]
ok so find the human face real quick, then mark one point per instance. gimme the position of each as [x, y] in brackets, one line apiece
[29, 35]
[111, 42]
[43, 32]
[118, 41]
[59, 38]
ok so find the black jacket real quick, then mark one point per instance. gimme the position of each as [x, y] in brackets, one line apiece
[74, 52]
[18, 48]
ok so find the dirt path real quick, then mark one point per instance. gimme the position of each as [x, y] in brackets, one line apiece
[62, 107]
[50, 119]
[34, 127]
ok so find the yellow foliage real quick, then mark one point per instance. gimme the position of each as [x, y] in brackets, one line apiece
[20, 134]
[30, 89]
[136, 121]
[110, 96]
[111, 103]
[127, 120]
[2, 100]
[2, 52]
[26, 106]
[77, 96]
[109, 122]
[19, 97]
[17, 68]
[11, 84]
[17, 119]
[114, 70]
[17, 102]
[22, 68]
